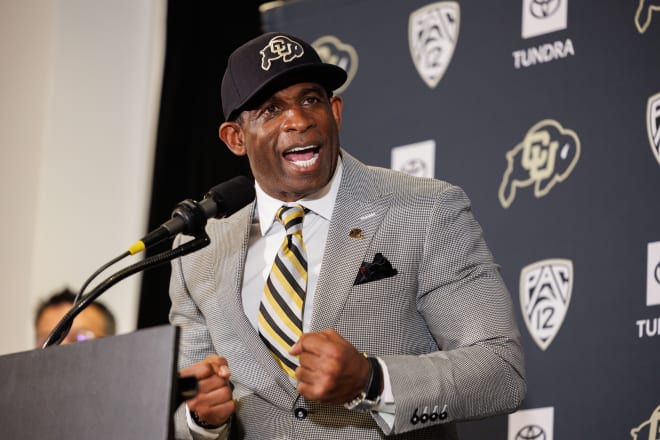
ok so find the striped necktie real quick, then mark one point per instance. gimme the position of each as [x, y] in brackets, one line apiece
[280, 312]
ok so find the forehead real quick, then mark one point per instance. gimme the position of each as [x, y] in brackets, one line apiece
[93, 319]
[301, 88]
[287, 90]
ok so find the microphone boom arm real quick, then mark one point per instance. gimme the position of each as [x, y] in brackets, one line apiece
[60, 330]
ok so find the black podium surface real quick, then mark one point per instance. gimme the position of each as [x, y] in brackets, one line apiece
[119, 387]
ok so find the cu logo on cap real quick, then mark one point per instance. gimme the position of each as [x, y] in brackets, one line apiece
[544, 8]
[280, 47]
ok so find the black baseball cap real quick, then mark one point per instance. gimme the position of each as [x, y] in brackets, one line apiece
[271, 62]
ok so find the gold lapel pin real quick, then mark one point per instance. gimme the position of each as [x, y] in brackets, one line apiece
[356, 234]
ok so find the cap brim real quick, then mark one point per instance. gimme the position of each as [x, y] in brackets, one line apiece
[331, 77]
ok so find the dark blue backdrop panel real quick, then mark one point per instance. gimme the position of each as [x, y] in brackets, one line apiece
[551, 136]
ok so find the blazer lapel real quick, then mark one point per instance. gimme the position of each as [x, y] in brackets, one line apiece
[355, 220]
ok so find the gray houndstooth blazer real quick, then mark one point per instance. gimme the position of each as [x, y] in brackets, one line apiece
[443, 324]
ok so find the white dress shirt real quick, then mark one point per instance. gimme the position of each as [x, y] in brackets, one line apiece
[266, 238]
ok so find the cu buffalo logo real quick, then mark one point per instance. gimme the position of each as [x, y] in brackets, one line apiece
[649, 429]
[333, 51]
[546, 156]
[280, 48]
[644, 14]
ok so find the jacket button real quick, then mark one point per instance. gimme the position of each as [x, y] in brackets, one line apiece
[301, 413]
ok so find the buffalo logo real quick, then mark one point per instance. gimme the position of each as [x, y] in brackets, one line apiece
[544, 8]
[652, 426]
[331, 50]
[531, 432]
[644, 14]
[653, 124]
[432, 36]
[545, 293]
[547, 155]
[280, 47]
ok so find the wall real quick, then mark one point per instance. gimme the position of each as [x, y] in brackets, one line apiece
[80, 92]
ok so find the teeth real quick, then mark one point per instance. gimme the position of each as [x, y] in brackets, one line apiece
[295, 150]
[306, 163]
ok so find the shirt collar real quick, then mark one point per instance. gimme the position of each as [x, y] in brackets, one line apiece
[321, 202]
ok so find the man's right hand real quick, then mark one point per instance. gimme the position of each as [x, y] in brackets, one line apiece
[213, 403]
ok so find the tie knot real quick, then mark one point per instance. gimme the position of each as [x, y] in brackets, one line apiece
[291, 217]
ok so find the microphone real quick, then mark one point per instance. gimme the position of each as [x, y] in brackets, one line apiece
[189, 216]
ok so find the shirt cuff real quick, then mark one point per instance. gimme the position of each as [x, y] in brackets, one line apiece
[203, 432]
[384, 411]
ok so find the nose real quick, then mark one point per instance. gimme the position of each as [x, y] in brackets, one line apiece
[297, 119]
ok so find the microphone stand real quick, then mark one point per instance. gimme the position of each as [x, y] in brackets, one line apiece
[61, 329]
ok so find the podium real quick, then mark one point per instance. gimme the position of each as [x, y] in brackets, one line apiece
[117, 387]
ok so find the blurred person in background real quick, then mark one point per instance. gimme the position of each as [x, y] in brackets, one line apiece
[95, 321]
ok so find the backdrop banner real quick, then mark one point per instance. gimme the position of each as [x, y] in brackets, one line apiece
[547, 112]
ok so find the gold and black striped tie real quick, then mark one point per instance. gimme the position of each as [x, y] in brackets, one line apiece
[281, 309]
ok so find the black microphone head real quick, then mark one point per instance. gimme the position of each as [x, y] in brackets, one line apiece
[232, 195]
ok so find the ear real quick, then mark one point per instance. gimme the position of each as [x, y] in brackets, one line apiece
[336, 104]
[232, 135]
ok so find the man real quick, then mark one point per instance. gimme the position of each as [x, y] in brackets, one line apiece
[95, 321]
[407, 326]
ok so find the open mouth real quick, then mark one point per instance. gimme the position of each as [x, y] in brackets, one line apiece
[303, 156]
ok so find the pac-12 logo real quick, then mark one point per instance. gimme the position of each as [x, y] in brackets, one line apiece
[546, 155]
[653, 124]
[545, 294]
[432, 36]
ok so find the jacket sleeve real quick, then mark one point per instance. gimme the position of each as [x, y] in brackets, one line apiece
[478, 369]
[195, 341]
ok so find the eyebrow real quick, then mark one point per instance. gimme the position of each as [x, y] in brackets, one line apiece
[316, 89]
[274, 99]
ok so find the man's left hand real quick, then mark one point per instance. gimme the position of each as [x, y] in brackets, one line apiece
[331, 370]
